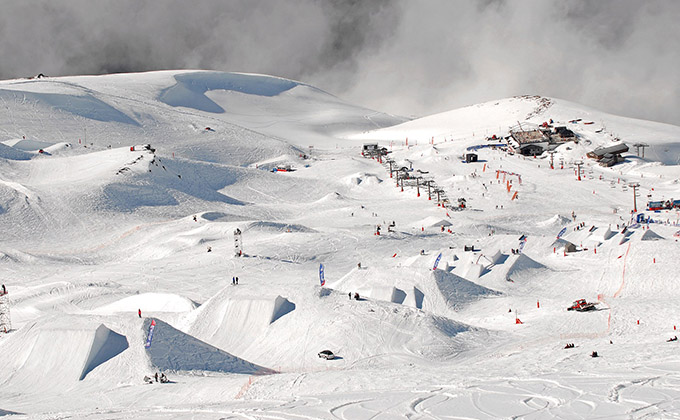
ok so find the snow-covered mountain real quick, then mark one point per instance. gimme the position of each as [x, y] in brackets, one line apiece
[120, 196]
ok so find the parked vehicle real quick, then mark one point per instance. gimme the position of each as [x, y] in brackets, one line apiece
[326, 354]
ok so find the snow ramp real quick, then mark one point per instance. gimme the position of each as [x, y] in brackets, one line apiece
[650, 235]
[456, 292]
[436, 291]
[174, 350]
[66, 350]
[524, 268]
[233, 322]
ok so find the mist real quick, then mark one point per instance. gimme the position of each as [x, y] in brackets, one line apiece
[403, 57]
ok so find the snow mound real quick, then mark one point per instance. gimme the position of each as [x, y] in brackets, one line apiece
[27, 145]
[650, 235]
[149, 302]
[171, 349]
[563, 245]
[601, 234]
[106, 345]
[231, 322]
[65, 350]
[386, 293]
[433, 290]
[432, 221]
[556, 220]
[331, 197]
[362, 179]
[278, 227]
[190, 89]
[475, 271]
[11, 153]
[458, 292]
[82, 105]
[524, 268]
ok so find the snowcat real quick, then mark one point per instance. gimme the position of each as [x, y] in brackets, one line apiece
[582, 306]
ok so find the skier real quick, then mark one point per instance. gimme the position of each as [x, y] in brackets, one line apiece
[356, 296]
[350, 295]
[156, 376]
[359, 265]
[209, 249]
[139, 312]
[4, 290]
[233, 281]
[195, 219]
[236, 280]
[164, 379]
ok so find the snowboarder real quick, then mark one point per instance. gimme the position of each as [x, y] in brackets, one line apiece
[233, 281]
[164, 379]
[672, 339]
[594, 354]
[359, 265]
[356, 296]
[195, 220]
[139, 312]
[4, 290]
[156, 376]
[350, 295]
[209, 249]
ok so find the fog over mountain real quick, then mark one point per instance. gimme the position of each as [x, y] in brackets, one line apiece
[407, 58]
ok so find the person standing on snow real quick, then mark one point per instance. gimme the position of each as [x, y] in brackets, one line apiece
[139, 312]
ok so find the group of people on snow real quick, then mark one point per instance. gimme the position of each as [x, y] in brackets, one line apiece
[159, 378]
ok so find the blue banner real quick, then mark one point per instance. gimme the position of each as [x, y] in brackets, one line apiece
[559, 235]
[150, 336]
[321, 277]
[436, 262]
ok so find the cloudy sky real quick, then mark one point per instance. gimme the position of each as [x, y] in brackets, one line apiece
[406, 57]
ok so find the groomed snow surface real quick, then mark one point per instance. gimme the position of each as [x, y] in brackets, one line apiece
[120, 263]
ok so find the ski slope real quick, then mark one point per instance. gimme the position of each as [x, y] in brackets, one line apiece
[98, 229]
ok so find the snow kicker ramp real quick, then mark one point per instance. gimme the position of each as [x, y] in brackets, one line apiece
[456, 292]
[437, 291]
[524, 268]
[233, 322]
[171, 349]
[66, 350]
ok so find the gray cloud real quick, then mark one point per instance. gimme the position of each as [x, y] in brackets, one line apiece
[399, 56]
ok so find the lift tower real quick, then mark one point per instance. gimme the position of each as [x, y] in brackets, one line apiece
[5, 320]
